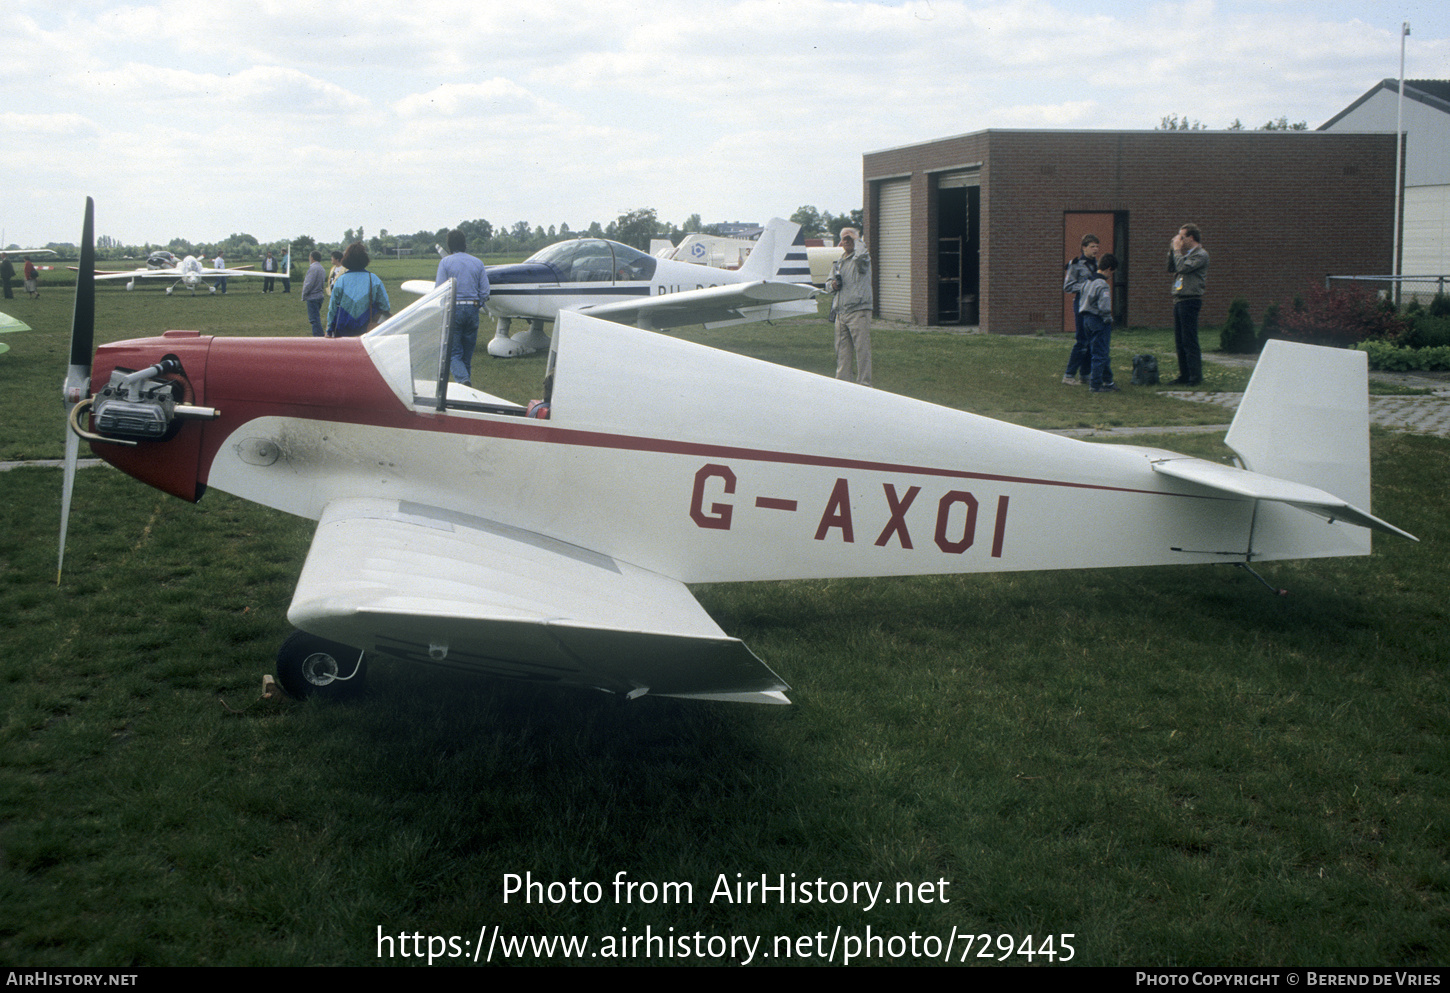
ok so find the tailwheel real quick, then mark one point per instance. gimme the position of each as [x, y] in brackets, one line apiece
[309, 666]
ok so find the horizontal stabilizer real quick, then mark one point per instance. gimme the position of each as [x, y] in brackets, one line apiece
[1256, 486]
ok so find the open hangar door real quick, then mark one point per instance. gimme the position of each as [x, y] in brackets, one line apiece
[958, 248]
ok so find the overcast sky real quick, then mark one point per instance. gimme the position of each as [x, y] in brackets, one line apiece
[201, 119]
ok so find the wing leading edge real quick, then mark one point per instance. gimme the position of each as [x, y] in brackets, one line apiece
[713, 306]
[434, 586]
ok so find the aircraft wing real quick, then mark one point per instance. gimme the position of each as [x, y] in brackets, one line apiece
[132, 273]
[177, 273]
[1257, 486]
[712, 306]
[422, 583]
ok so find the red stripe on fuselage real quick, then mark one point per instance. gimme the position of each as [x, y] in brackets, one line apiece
[325, 379]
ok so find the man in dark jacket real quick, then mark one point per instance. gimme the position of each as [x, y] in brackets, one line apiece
[1080, 272]
[1188, 263]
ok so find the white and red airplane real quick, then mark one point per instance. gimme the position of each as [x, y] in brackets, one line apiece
[189, 272]
[618, 283]
[554, 542]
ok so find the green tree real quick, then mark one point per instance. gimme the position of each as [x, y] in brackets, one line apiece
[1282, 124]
[810, 220]
[855, 219]
[1172, 122]
[1269, 328]
[1237, 336]
[636, 227]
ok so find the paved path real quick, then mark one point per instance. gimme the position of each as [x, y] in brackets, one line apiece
[1417, 415]
[1428, 414]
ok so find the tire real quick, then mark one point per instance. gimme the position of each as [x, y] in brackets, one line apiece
[309, 666]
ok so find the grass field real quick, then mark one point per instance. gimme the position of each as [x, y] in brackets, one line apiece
[1170, 765]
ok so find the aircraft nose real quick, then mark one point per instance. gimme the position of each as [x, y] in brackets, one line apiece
[148, 420]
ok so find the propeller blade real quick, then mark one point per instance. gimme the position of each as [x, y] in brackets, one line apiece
[78, 375]
[72, 450]
[83, 323]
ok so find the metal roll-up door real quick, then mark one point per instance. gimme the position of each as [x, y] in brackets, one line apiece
[893, 250]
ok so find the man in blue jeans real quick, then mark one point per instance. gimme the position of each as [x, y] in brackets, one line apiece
[469, 295]
[1097, 321]
[314, 284]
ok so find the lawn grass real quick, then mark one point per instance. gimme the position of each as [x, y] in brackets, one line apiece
[1171, 764]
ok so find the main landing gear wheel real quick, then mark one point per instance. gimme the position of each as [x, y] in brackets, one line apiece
[309, 666]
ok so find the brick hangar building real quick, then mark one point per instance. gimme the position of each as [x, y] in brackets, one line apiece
[975, 229]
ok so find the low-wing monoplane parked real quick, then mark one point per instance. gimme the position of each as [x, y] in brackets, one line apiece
[553, 542]
[189, 272]
[618, 283]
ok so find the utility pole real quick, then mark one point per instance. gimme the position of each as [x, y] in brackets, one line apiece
[1399, 158]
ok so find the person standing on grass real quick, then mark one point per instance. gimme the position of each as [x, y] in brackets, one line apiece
[851, 307]
[32, 279]
[1080, 272]
[1097, 320]
[472, 291]
[7, 273]
[1188, 263]
[359, 301]
[313, 286]
[337, 270]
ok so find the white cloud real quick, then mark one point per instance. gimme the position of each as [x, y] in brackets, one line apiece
[305, 117]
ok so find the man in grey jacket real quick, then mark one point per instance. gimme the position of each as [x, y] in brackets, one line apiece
[851, 283]
[313, 285]
[1188, 263]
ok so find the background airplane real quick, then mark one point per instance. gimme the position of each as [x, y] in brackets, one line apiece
[618, 283]
[190, 272]
[461, 529]
[731, 253]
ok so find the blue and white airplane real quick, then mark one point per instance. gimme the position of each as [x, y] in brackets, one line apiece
[617, 283]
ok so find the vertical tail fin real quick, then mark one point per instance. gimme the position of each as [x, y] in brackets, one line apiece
[780, 254]
[1305, 418]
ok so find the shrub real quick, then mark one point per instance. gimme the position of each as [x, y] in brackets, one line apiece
[1440, 305]
[1392, 358]
[1427, 332]
[1270, 326]
[1237, 336]
[1340, 317]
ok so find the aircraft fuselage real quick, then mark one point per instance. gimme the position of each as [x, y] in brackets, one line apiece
[584, 273]
[870, 484]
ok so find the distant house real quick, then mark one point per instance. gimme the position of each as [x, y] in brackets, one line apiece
[976, 229]
[1426, 231]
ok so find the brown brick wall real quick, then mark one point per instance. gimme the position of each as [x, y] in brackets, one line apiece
[1278, 211]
